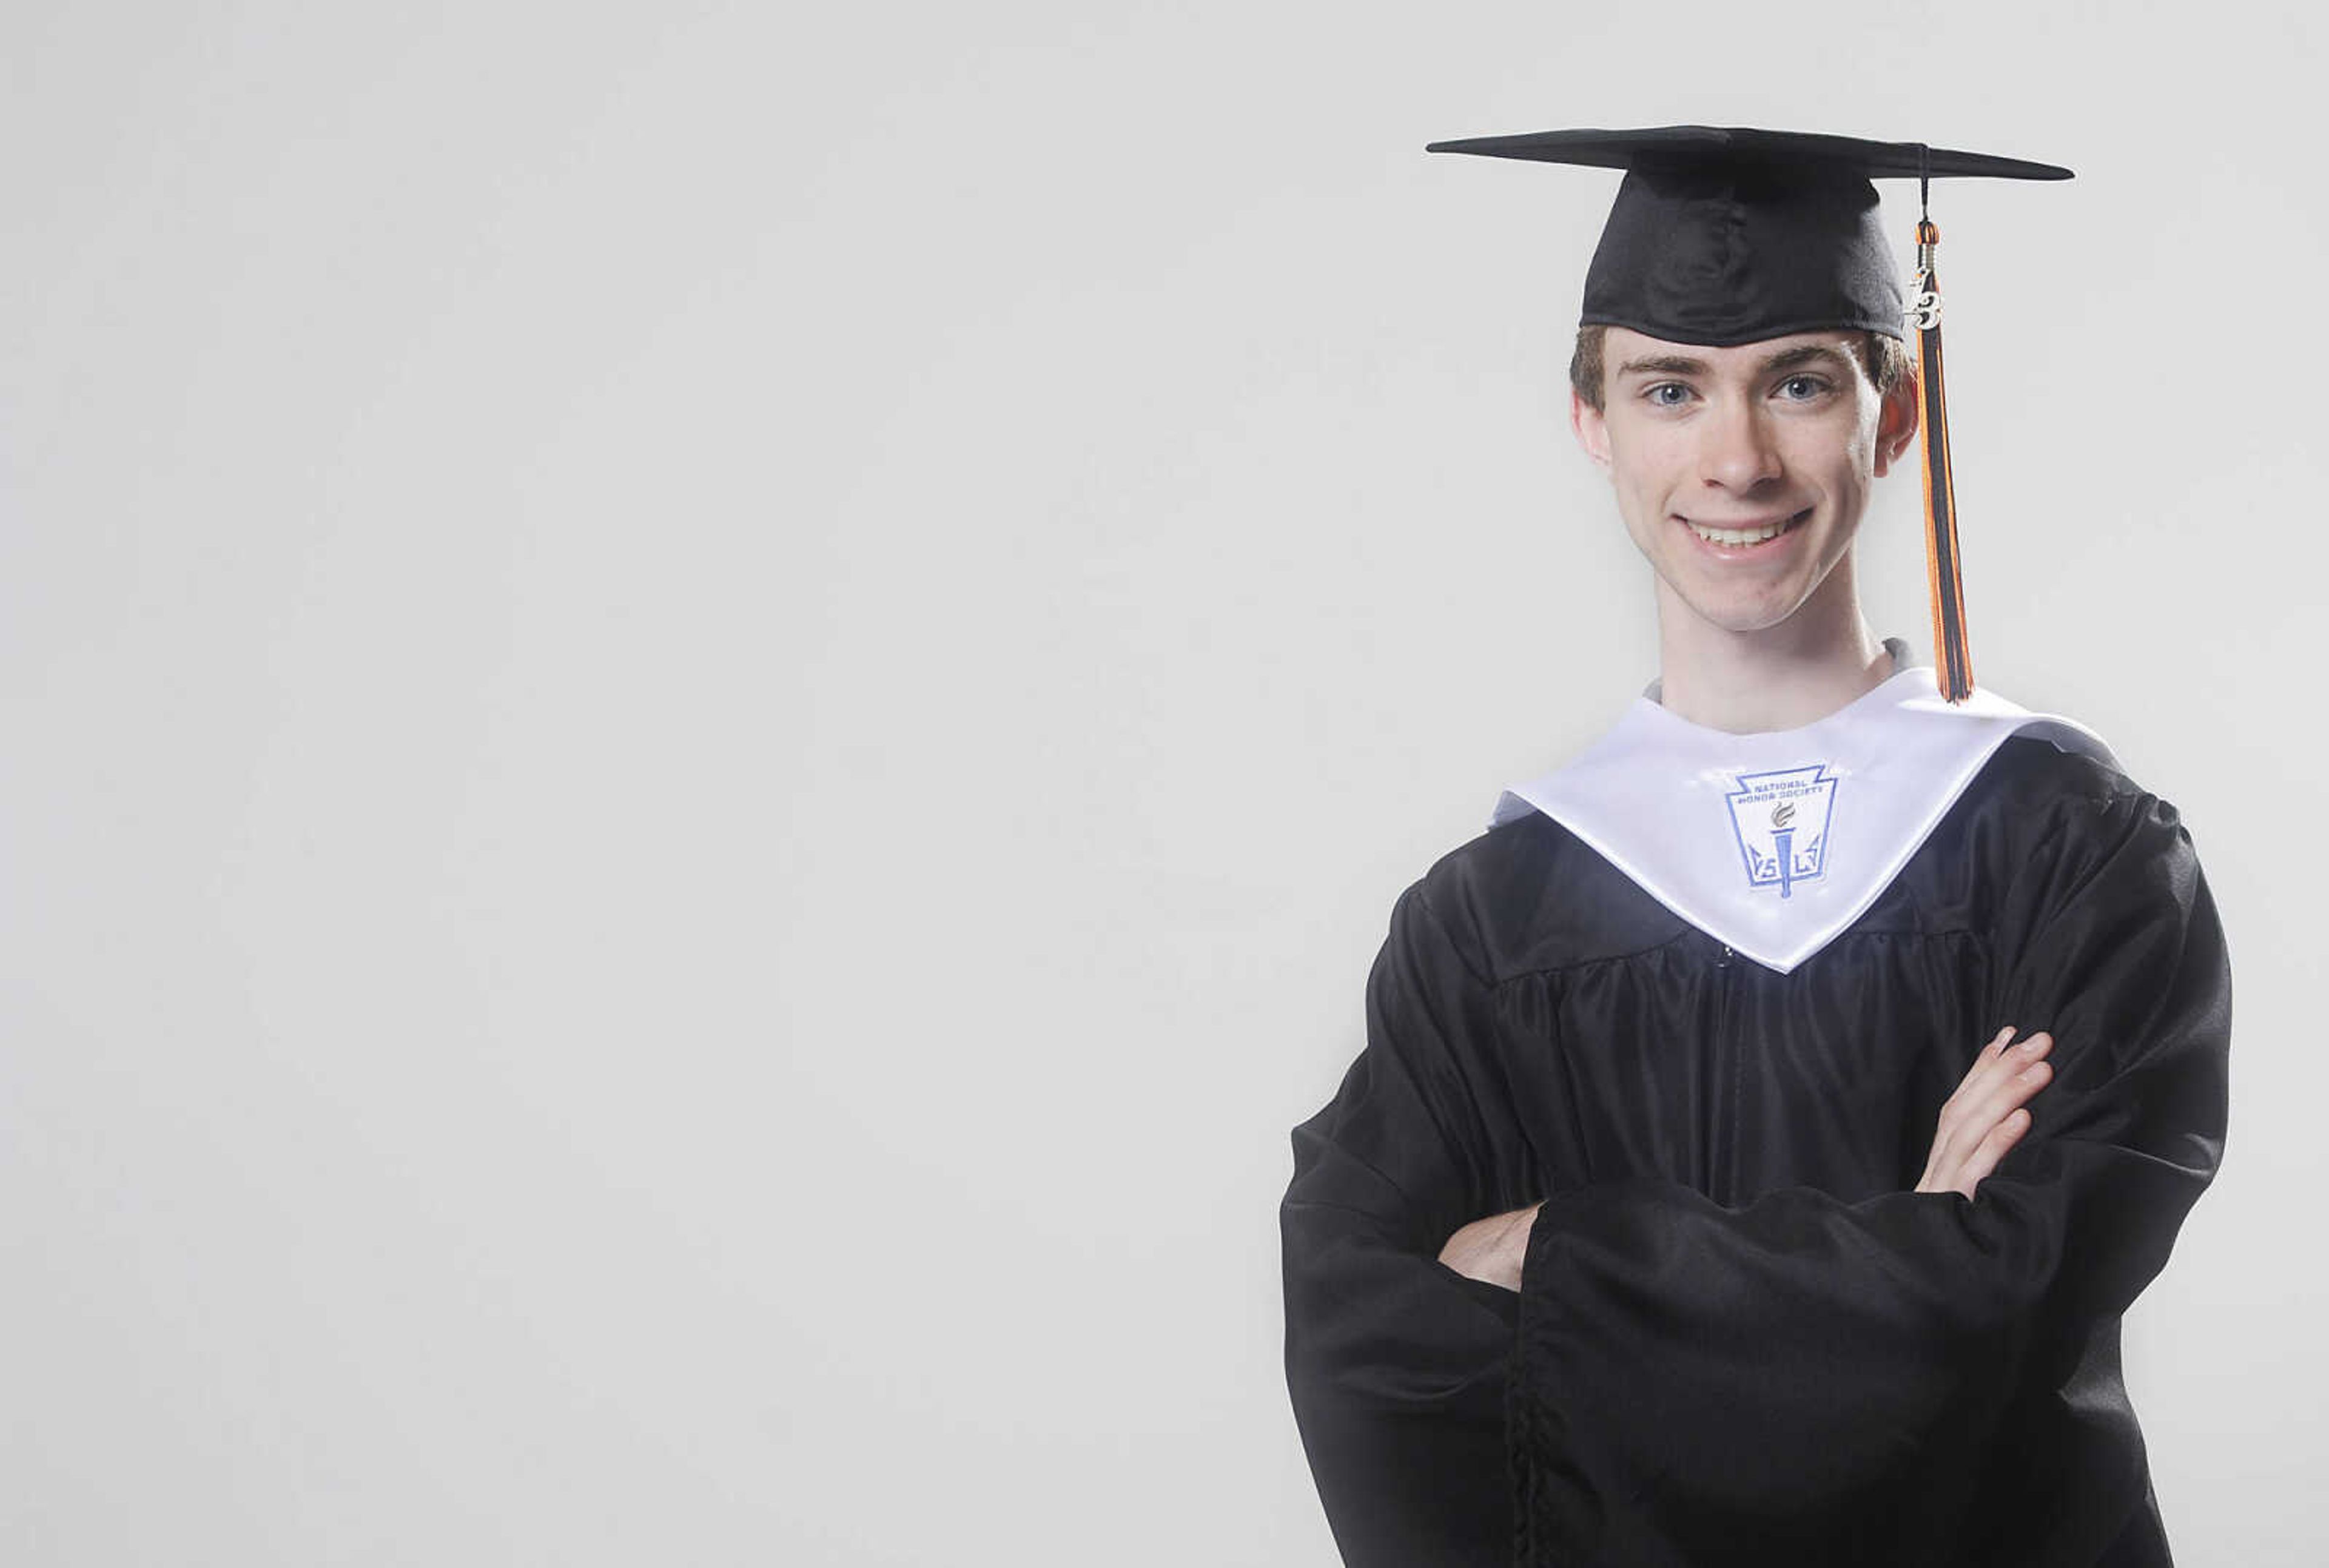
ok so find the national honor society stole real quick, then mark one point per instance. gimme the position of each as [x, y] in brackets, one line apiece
[1773, 843]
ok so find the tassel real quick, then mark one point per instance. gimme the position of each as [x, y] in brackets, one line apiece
[1952, 659]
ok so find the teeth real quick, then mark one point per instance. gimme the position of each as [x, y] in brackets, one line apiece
[1739, 535]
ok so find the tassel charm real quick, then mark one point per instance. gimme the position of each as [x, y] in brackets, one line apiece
[1953, 659]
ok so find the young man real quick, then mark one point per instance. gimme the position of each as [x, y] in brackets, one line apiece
[1762, 1128]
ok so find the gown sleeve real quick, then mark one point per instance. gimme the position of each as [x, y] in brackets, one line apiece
[1832, 1377]
[1396, 1362]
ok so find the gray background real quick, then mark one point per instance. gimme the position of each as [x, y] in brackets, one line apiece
[709, 717]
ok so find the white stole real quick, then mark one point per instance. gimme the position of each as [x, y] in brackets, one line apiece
[1772, 842]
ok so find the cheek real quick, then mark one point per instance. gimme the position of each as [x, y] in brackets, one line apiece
[1646, 467]
[1840, 459]
[1866, 425]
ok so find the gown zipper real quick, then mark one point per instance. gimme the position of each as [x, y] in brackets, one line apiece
[1723, 1170]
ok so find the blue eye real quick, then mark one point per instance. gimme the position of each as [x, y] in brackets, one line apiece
[1657, 400]
[1811, 386]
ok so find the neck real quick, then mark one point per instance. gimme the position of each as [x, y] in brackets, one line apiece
[1776, 678]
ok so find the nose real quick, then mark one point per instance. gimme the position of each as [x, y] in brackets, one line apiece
[1739, 452]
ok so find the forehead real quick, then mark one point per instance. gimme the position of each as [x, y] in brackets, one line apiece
[1627, 351]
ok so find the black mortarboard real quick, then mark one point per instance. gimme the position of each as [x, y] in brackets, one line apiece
[1728, 235]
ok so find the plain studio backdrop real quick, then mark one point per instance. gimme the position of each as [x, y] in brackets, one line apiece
[710, 717]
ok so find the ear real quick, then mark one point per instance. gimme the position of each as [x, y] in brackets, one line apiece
[1591, 429]
[1896, 423]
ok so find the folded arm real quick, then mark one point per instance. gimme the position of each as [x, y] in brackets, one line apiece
[1397, 1364]
[1841, 1367]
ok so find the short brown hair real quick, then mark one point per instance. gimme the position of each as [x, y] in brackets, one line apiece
[1884, 356]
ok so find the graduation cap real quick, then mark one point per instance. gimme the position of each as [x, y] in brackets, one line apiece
[1728, 235]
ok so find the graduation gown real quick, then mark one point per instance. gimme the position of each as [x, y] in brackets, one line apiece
[1741, 1336]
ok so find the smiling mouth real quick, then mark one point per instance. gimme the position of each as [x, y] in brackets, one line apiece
[1748, 538]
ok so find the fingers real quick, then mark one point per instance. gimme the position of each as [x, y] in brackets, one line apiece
[2010, 1079]
[1996, 1072]
[1986, 1114]
[1990, 1150]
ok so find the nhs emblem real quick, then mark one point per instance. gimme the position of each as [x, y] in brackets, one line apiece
[1781, 819]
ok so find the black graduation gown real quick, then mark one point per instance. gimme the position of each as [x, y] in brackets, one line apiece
[1740, 1337]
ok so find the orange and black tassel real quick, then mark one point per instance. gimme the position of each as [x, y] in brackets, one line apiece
[1952, 659]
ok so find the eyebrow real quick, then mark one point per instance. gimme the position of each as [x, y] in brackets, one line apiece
[1804, 353]
[1785, 359]
[1664, 364]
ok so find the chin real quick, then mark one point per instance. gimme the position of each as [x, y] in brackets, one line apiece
[1742, 621]
[1735, 613]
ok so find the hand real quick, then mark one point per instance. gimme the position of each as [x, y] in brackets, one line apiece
[1984, 1118]
[1491, 1249]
